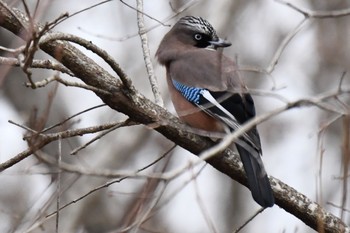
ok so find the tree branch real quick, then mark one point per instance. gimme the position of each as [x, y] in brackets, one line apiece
[146, 54]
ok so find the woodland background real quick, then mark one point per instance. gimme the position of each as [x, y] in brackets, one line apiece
[306, 147]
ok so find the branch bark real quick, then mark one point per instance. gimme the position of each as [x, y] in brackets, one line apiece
[139, 109]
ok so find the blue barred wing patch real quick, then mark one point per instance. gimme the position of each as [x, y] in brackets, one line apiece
[192, 94]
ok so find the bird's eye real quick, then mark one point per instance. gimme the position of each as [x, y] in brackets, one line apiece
[197, 36]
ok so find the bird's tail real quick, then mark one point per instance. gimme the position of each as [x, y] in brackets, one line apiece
[258, 181]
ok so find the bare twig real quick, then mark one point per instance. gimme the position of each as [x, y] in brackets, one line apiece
[42, 64]
[308, 14]
[320, 152]
[32, 45]
[119, 180]
[146, 54]
[146, 30]
[42, 140]
[66, 16]
[249, 220]
[142, 208]
[278, 53]
[159, 204]
[116, 126]
[283, 45]
[14, 51]
[57, 78]
[80, 85]
[342, 77]
[337, 206]
[100, 172]
[346, 161]
[22, 126]
[71, 117]
[202, 206]
[98, 188]
[317, 14]
[90, 46]
[58, 197]
[143, 13]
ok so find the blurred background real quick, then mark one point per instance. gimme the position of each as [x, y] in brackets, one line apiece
[302, 147]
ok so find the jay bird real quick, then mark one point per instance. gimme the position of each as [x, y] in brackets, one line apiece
[209, 94]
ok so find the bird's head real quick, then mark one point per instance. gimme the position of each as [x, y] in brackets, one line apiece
[188, 33]
[198, 32]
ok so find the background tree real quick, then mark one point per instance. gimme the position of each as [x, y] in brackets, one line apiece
[124, 174]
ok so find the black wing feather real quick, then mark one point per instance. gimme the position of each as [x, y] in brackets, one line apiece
[240, 106]
[249, 149]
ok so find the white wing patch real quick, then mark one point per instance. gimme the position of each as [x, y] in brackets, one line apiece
[206, 94]
[230, 120]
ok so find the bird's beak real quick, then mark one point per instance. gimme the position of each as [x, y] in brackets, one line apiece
[220, 43]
